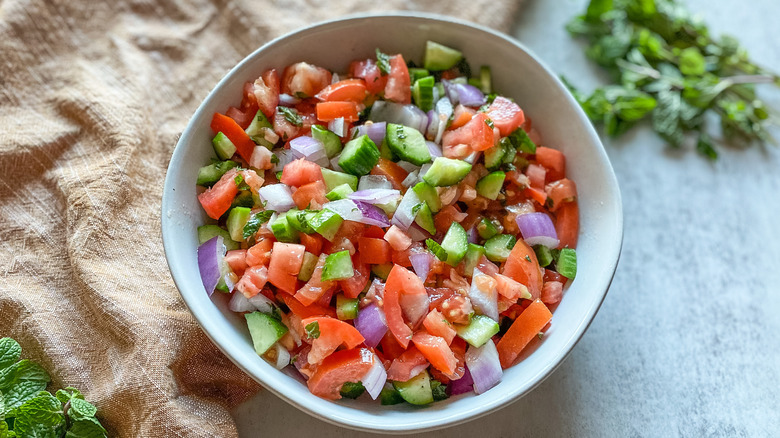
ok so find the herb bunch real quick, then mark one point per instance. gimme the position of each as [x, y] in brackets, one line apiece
[28, 410]
[667, 67]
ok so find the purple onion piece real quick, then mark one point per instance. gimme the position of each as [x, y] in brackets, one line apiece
[372, 215]
[472, 234]
[338, 127]
[421, 262]
[278, 197]
[375, 378]
[537, 229]
[287, 100]
[484, 365]
[484, 301]
[310, 149]
[417, 233]
[461, 386]
[376, 132]
[371, 323]
[375, 196]
[450, 91]
[210, 255]
[470, 95]
[434, 149]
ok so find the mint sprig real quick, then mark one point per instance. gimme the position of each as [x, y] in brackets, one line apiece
[27, 410]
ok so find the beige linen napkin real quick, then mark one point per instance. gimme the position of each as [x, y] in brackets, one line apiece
[92, 98]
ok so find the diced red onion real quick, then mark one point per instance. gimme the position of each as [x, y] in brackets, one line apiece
[309, 148]
[403, 217]
[537, 229]
[414, 306]
[375, 378]
[469, 95]
[260, 158]
[411, 179]
[484, 301]
[302, 359]
[417, 233]
[434, 149]
[484, 365]
[346, 208]
[240, 303]
[358, 211]
[450, 91]
[391, 112]
[372, 182]
[278, 197]
[376, 292]
[375, 196]
[287, 100]
[407, 166]
[282, 356]
[473, 157]
[421, 263]
[334, 163]
[372, 215]
[372, 324]
[444, 109]
[375, 131]
[261, 303]
[338, 127]
[424, 169]
[433, 125]
[211, 255]
[461, 386]
[285, 157]
[472, 234]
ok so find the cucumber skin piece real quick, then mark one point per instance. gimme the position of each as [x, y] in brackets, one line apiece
[422, 92]
[490, 185]
[497, 248]
[427, 193]
[485, 79]
[339, 192]
[237, 219]
[307, 267]
[329, 139]
[283, 231]
[473, 254]
[446, 172]
[256, 130]
[346, 308]
[338, 266]
[206, 232]
[326, 223]
[440, 57]
[381, 271]
[479, 330]
[486, 228]
[333, 179]
[455, 242]
[494, 156]
[223, 146]
[407, 144]
[209, 175]
[265, 330]
[359, 156]
[390, 396]
[424, 218]
[416, 390]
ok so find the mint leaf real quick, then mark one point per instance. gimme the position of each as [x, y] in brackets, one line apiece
[383, 62]
[64, 395]
[291, 115]
[10, 351]
[40, 417]
[255, 222]
[597, 8]
[436, 249]
[81, 409]
[313, 330]
[23, 381]
[86, 428]
[692, 62]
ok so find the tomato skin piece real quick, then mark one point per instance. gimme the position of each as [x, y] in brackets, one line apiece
[398, 88]
[353, 90]
[476, 134]
[404, 366]
[253, 281]
[333, 333]
[526, 326]
[354, 285]
[259, 253]
[297, 308]
[522, 266]
[460, 116]
[310, 193]
[301, 172]
[286, 260]
[567, 224]
[370, 73]
[304, 80]
[339, 368]
[266, 91]
[560, 192]
[315, 288]
[394, 173]
[373, 251]
[244, 145]
[312, 242]
[506, 115]
[400, 281]
[437, 351]
[437, 325]
[217, 199]
[553, 160]
[332, 110]
[236, 259]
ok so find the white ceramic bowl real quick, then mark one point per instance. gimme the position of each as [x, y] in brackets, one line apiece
[516, 73]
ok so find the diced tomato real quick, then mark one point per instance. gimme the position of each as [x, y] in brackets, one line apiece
[552, 292]
[217, 199]
[224, 124]
[400, 281]
[477, 134]
[460, 116]
[339, 368]
[333, 334]
[312, 242]
[374, 251]
[246, 112]
[414, 306]
[353, 90]
[332, 110]
[567, 224]
[307, 195]
[259, 253]
[437, 325]
[537, 195]
[510, 288]
[244, 119]
[397, 239]
[522, 266]
[236, 259]
[354, 285]
[350, 230]
[550, 275]
[304, 80]
[553, 160]
[526, 326]
[398, 88]
[287, 257]
[560, 192]
[374, 231]
[437, 295]
[446, 216]
[409, 364]
[315, 288]
[266, 92]
[506, 115]
[394, 173]
[437, 351]
[370, 73]
[303, 311]
[253, 281]
[487, 267]
[536, 175]
[300, 172]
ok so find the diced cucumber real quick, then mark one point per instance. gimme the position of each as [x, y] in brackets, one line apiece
[258, 128]
[382, 271]
[440, 57]
[243, 199]
[417, 73]
[456, 243]
[352, 390]
[566, 263]
[473, 253]
[307, 268]
[339, 192]
[326, 223]
[237, 218]
[422, 92]
[385, 152]
[446, 172]
[265, 330]
[223, 146]
[407, 144]
[329, 139]
[494, 156]
[283, 231]
[479, 330]
[416, 390]
[299, 220]
[497, 248]
[359, 156]
[389, 396]
[485, 80]
[428, 193]
[486, 228]
[338, 266]
[424, 218]
[543, 255]
[490, 185]
[509, 150]
[334, 179]
[209, 175]
[346, 308]
[206, 232]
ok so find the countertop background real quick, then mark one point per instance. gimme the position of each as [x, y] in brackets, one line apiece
[687, 342]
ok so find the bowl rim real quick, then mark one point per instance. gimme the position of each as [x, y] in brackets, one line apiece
[421, 426]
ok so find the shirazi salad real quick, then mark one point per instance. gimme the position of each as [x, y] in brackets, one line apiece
[396, 229]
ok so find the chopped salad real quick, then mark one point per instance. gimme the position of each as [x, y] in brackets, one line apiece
[393, 229]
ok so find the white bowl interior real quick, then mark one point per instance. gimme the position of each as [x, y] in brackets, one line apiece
[516, 73]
